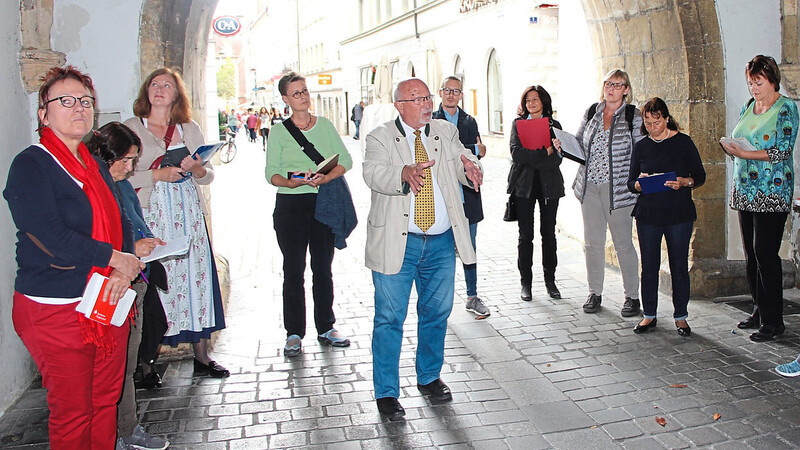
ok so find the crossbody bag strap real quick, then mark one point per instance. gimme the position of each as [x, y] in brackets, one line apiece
[167, 140]
[306, 146]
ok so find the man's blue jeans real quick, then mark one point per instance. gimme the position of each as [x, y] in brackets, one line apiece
[471, 270]
[677, 237]
[430, 263]
[358, 128]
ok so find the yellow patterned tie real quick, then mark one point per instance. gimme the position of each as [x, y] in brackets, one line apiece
[424, 212]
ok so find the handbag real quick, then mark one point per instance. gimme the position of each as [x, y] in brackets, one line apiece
[511, 210]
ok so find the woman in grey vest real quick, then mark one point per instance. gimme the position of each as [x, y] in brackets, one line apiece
[607, 134]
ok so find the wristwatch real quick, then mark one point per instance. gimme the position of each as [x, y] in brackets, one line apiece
[691, 183]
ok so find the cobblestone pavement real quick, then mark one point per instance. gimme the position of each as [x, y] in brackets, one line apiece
[538, 374]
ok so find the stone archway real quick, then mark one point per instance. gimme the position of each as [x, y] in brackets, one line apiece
[175, 34]
[172, 34]
[673, 49]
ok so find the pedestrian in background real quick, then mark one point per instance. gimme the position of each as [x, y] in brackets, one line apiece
[264, 120]
[233, 122]
[666, 215]
[451, 93]
[607, 133]
[411, 240]
[297, 229]
[356, 116]
[761, 190]
[535, 177]
[174, 207]
[252, 123]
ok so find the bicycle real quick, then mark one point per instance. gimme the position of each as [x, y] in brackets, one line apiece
[228, 151]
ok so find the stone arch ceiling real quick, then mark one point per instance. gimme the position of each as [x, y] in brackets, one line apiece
[175, 34]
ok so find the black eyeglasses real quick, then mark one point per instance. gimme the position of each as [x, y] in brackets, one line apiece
[69, 101]
[299, 93]
[448, 91]
[418, 100]
[615, 86]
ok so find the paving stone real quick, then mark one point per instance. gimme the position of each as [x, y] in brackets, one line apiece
[622, 430]
[557, 416]
[704, 436]
[586, 438]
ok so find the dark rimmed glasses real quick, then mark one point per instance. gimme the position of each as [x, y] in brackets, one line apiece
[418, 100]
[69, 101]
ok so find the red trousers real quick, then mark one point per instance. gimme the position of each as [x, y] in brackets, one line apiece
[83, 387]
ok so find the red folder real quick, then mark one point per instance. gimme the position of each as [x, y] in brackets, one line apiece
[534, 134]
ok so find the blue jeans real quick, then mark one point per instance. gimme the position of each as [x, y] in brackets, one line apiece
[471, 270]
[677, 237]
[430, 264]
[358, 126]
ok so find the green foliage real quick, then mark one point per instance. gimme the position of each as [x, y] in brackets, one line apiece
[226, 88]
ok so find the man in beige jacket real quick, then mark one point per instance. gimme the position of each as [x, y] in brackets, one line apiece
[411, 239]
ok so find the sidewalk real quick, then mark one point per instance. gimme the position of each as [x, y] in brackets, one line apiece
[538, 374]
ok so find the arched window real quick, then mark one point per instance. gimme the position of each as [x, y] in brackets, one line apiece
[494, 90]
[458, 71]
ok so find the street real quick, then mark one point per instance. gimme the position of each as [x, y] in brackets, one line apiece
[540, 374]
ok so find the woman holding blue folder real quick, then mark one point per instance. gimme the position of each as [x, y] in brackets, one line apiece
[667, 211]
[173, 206]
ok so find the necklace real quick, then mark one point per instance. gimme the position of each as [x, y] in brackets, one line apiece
[659, 140]
[310, 117]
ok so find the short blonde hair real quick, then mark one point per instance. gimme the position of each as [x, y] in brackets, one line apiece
[617, 73]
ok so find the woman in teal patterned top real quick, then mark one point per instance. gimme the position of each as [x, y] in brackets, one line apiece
[762, 185]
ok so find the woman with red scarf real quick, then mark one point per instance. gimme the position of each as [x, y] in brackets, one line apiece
[70, 225]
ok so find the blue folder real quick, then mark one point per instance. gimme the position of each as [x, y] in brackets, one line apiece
[655, 183]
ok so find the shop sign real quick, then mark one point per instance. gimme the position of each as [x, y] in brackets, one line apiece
[474, 5]
[324, 78]
[226, 26]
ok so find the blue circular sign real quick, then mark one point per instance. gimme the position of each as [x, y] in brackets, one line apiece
[226, 25]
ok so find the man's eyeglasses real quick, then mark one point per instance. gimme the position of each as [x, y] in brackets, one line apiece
[615, 86]
[299, 93]
[448, 91]
[68, 101]
[418, 100]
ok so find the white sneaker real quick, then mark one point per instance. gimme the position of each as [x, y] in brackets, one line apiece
[143, 440]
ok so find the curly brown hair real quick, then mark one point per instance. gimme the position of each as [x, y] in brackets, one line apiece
[181, 108]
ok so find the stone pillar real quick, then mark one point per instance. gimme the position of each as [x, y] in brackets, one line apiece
[36, 56]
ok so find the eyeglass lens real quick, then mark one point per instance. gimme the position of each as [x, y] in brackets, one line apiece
[299, 93]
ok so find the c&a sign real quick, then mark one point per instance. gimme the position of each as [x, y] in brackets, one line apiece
[226, 25]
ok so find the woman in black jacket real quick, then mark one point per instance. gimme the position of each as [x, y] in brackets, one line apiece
[535, 177]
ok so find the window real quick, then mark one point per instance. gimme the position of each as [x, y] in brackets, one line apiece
[458, 71]
[495, 93]
[365, 78]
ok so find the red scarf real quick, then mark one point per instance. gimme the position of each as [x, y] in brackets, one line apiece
[106, 220]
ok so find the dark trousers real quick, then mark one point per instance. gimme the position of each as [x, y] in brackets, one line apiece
[264, 135]
[547, 229]
[252, 132]
[677, 237]
[761, 238]
[298, 230]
